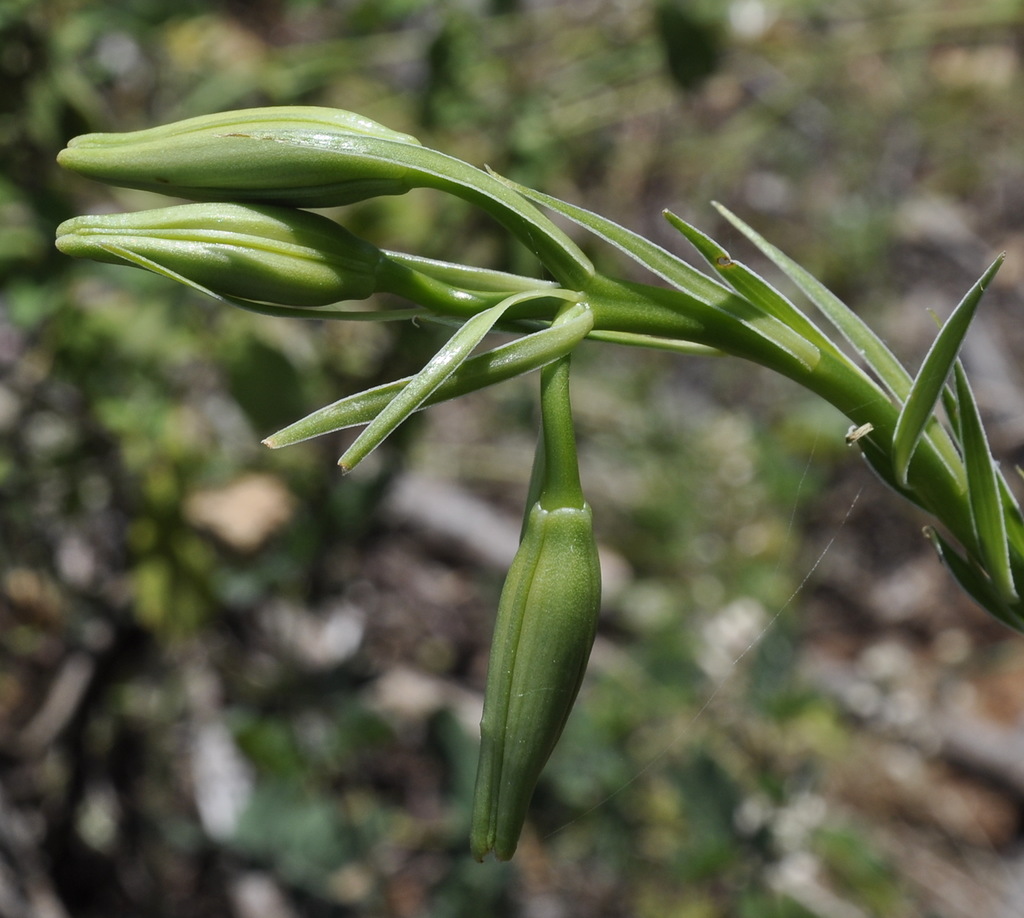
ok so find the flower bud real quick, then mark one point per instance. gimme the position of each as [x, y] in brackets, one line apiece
[262, 254]
[547, 619]
[249, 152]
[310, 157]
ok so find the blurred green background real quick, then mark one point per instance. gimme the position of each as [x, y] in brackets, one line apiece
[232, 683]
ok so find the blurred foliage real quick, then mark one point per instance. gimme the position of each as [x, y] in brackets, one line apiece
[216, 600]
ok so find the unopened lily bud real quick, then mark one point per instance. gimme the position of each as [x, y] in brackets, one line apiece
[251, 153]
[263, 254]
[547, 620]
[303, 156]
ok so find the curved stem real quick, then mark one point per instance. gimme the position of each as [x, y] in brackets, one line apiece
[936, 479]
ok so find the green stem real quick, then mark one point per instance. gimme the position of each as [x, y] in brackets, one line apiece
[561, 480]
[446, 299]
[936, 479]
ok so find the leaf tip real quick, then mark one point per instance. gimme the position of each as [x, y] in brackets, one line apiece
[993, 268]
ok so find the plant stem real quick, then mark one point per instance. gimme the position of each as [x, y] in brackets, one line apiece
[936, 479]
[561, 486]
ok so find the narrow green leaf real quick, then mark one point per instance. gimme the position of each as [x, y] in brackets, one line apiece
[494, 366]
[931, 378]
[1014, 529]
[881, 361]
[669, 267]
[864, 341]
[973, 581]
[433, 169]
[879, 461]
[748, 283]
[660, 261]
[468, 277]
[437, 370]
[983, 491]
[268, 309]
[949, 405]
[630, 339]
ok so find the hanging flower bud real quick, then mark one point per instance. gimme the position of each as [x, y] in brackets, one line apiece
[262, 254]
[249, 153]
[547, 619]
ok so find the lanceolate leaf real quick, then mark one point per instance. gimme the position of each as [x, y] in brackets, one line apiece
[684, 277]
[469, 277]
[983, 491]
[268, 309]
[437, 370]
[1014, 530]
[881, 361]
[973, 581]
[1014, 519]
[505, 362]
[748, 284]
[931, 378]
[874, 351]
[653, 257]
[631, 339]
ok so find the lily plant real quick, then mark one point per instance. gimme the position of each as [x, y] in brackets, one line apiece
[251, 242]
